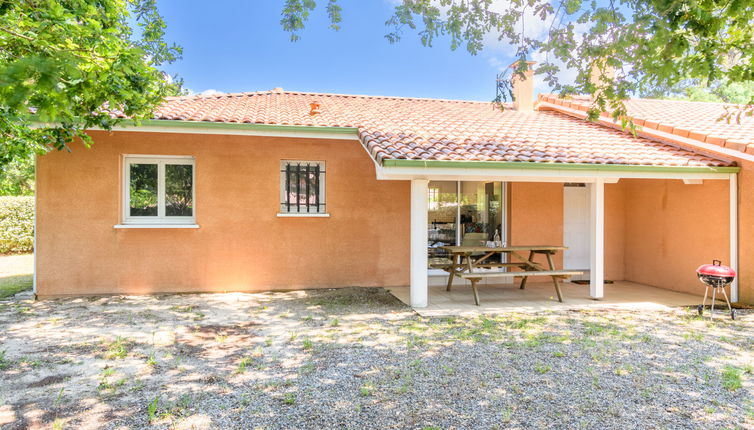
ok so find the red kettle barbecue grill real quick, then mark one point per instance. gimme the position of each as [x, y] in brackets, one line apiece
[715, 276]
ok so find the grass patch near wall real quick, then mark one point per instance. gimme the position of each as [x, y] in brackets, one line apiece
[12, 285]
[15, 274]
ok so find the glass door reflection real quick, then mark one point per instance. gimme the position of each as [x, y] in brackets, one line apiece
[442, 206]
[468, 213]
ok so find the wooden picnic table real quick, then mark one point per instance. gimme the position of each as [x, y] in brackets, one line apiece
[467, 260]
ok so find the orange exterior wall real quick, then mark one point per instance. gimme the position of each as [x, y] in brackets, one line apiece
[615, 231]
[672, 228]
[536, 218]
[241, 244]
[656, 231]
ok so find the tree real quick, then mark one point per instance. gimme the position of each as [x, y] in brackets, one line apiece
[725, 92]
[17, 177]
[69, 65]
[649, 44]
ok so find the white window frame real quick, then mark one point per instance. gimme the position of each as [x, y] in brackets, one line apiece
[283, 212]
[160, 161]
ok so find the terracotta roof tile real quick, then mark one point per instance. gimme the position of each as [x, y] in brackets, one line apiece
[432, 129]
[700, 121]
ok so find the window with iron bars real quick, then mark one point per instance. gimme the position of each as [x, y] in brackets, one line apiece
[302, 187]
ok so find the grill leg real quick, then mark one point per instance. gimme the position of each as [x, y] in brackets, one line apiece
[712, 308]
[730, 308]
[706, 291]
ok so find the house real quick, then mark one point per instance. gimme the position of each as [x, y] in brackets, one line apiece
[285, 190]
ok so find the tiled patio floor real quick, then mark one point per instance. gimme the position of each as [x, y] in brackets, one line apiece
[497, 299]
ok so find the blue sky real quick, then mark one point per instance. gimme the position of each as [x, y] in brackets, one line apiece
[239, 45]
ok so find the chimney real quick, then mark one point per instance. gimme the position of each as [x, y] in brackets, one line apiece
[594, 76]
[523, 89]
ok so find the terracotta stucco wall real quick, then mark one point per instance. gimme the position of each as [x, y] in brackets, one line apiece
[656, 232]
[242, 244]
[672, 228]
[615, 231]
[536, 218]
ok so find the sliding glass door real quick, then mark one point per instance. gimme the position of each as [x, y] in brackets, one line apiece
[463, 213]
[442, 207]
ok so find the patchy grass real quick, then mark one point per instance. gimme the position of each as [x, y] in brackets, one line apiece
[4, 361]
[12, 285]
[732, 379]
[243, 364]
[15, 274]
[357, 358]
[307, 344]
[117, 349]
[289, 398]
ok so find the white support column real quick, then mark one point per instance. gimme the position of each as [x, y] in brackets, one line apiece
[597, 239]
[733, 200]
[419, 294]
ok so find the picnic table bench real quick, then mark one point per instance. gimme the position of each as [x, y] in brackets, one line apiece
[467, 260]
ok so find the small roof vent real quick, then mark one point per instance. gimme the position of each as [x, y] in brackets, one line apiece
[277, 90]
[315, 108]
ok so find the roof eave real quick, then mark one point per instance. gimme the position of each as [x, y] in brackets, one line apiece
[687, 143]
[238, 126]
[584, 167]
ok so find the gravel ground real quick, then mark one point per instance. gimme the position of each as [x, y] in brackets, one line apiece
[358, 358]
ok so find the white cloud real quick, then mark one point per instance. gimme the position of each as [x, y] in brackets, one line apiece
[500, 53]
[210, 92]
[496, 63]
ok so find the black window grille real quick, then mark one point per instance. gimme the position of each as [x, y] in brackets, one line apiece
[303, 190]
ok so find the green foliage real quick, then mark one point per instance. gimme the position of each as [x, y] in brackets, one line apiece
[152, 409]
[296, 13]
[4, 362]
[77, 64]
[732, 378]
[726, 92]
[16, 224]
[649, 44]
[117, 349]
[17, 177]
[244, 364]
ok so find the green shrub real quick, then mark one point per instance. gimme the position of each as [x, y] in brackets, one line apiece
[16, 224]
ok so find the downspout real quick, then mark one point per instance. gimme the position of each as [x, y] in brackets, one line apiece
[36, 205]
[733, 200]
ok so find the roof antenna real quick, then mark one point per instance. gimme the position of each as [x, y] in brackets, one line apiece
[503, 89]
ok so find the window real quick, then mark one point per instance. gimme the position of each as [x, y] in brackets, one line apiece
[302, 187]
[158, 190]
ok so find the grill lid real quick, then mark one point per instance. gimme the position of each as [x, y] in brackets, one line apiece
[716, 269]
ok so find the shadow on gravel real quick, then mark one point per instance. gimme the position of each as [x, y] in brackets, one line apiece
[359, 358]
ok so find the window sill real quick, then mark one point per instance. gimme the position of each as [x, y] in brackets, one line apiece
[126, 226]
[302, 215]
